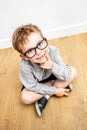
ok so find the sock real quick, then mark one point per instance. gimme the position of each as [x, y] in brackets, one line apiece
[47, 97]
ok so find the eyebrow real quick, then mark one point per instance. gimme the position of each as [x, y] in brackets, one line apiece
[37, 43]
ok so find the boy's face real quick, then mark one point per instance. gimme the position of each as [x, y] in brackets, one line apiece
[40, 56]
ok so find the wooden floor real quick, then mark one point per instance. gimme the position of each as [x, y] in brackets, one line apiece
[66, 113]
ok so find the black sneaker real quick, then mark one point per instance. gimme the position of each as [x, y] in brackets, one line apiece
[70, 87]
[40, 105]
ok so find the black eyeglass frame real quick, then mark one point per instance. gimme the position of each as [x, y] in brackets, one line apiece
[36, 48]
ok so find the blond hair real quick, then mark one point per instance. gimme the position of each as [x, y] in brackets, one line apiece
[20, 35]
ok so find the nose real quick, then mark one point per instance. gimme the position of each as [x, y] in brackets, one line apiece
[38, 51]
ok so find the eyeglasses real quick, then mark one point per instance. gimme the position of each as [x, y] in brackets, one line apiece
[41, 45]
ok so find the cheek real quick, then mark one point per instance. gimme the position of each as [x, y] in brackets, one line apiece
[46, 50]
[34, 58]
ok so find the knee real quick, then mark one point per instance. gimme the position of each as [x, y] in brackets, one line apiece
[25, 98]
[74, 72]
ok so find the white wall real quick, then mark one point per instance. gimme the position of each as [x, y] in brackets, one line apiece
[56, 18]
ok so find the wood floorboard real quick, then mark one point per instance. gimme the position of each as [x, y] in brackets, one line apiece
[66, 113]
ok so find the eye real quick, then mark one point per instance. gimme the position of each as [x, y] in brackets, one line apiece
[30, 51]
[41, 44]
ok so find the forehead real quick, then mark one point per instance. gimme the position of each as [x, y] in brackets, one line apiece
[32, 41]
[34, 37]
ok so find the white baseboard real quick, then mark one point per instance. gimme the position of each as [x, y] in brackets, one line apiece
[54, 33]
[66, 30]
[6, 43]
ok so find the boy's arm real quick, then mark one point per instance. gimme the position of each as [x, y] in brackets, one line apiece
[57, 66]
[60, 69]
[48, 88]
[32, 84]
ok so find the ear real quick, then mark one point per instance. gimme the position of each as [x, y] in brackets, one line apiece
[24, 57]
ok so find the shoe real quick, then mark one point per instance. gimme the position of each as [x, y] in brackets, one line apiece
[40, 105]
[70, 87]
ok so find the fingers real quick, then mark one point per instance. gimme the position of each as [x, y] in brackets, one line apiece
[67, 90]
[47, 56]
[65, 93]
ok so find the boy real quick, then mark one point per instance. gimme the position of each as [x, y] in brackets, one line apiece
[42, 71]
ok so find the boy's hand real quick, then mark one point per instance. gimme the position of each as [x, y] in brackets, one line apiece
[48, 64]
[62, 92]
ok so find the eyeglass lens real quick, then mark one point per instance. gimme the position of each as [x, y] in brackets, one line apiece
[41, 45]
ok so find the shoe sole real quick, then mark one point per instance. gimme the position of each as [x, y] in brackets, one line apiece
[71, 87]
[38, 110]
